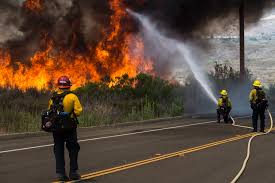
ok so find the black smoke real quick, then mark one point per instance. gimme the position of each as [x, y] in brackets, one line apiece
[74, 24]
[191, 16]
[71, 25]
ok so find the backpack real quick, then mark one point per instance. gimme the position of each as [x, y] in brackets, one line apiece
[52, 121]
[261, 101]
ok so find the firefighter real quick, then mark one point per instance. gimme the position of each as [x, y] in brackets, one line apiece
[224, 107]
[71, 110]
[259, 105]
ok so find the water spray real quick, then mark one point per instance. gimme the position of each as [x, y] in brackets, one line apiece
[182, 50]
[197, 71]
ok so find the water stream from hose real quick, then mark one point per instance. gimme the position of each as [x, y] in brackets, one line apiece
[179, 50]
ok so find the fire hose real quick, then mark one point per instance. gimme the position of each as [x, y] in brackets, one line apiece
[249, 146]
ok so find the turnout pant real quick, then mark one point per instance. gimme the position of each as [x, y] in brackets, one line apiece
[255, 116]
[224, 113]
[70, 138]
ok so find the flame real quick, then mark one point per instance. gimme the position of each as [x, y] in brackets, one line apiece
[118, 53]
[45, 69]
[132, 60]
[34, 5]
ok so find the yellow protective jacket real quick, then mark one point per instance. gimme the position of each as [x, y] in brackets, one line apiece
[224, 103]
[253, 96]
[71, 103]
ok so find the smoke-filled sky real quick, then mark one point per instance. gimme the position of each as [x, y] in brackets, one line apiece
[192, 17]
[68, 23]
[186, 17]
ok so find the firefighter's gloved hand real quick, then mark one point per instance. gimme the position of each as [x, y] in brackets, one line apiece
[64, 114]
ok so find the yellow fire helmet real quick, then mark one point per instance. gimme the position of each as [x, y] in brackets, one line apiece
[224, 93]
[257, 83]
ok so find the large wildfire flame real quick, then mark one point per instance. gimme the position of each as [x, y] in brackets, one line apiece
[118, 53]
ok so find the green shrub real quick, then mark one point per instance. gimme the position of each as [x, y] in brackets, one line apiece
[105, 102]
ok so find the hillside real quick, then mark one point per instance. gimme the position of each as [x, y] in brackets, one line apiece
[260, 50]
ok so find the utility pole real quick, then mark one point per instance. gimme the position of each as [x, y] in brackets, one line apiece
[242, 41]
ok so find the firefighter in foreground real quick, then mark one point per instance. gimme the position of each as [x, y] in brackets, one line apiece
[224, 107]
[67, 107]
[259, 105]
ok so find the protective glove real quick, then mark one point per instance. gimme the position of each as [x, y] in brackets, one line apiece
[63, 114]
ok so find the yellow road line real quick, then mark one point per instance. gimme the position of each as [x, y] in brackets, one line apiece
[151, 160]
[162, 157]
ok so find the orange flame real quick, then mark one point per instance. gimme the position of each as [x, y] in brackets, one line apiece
[34, 5]
[118, 53]
[132, 60]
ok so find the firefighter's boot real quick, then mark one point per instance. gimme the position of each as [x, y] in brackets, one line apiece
[74, 175]
[61, 177]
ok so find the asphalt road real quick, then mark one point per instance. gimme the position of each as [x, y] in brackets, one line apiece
[169, 151]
